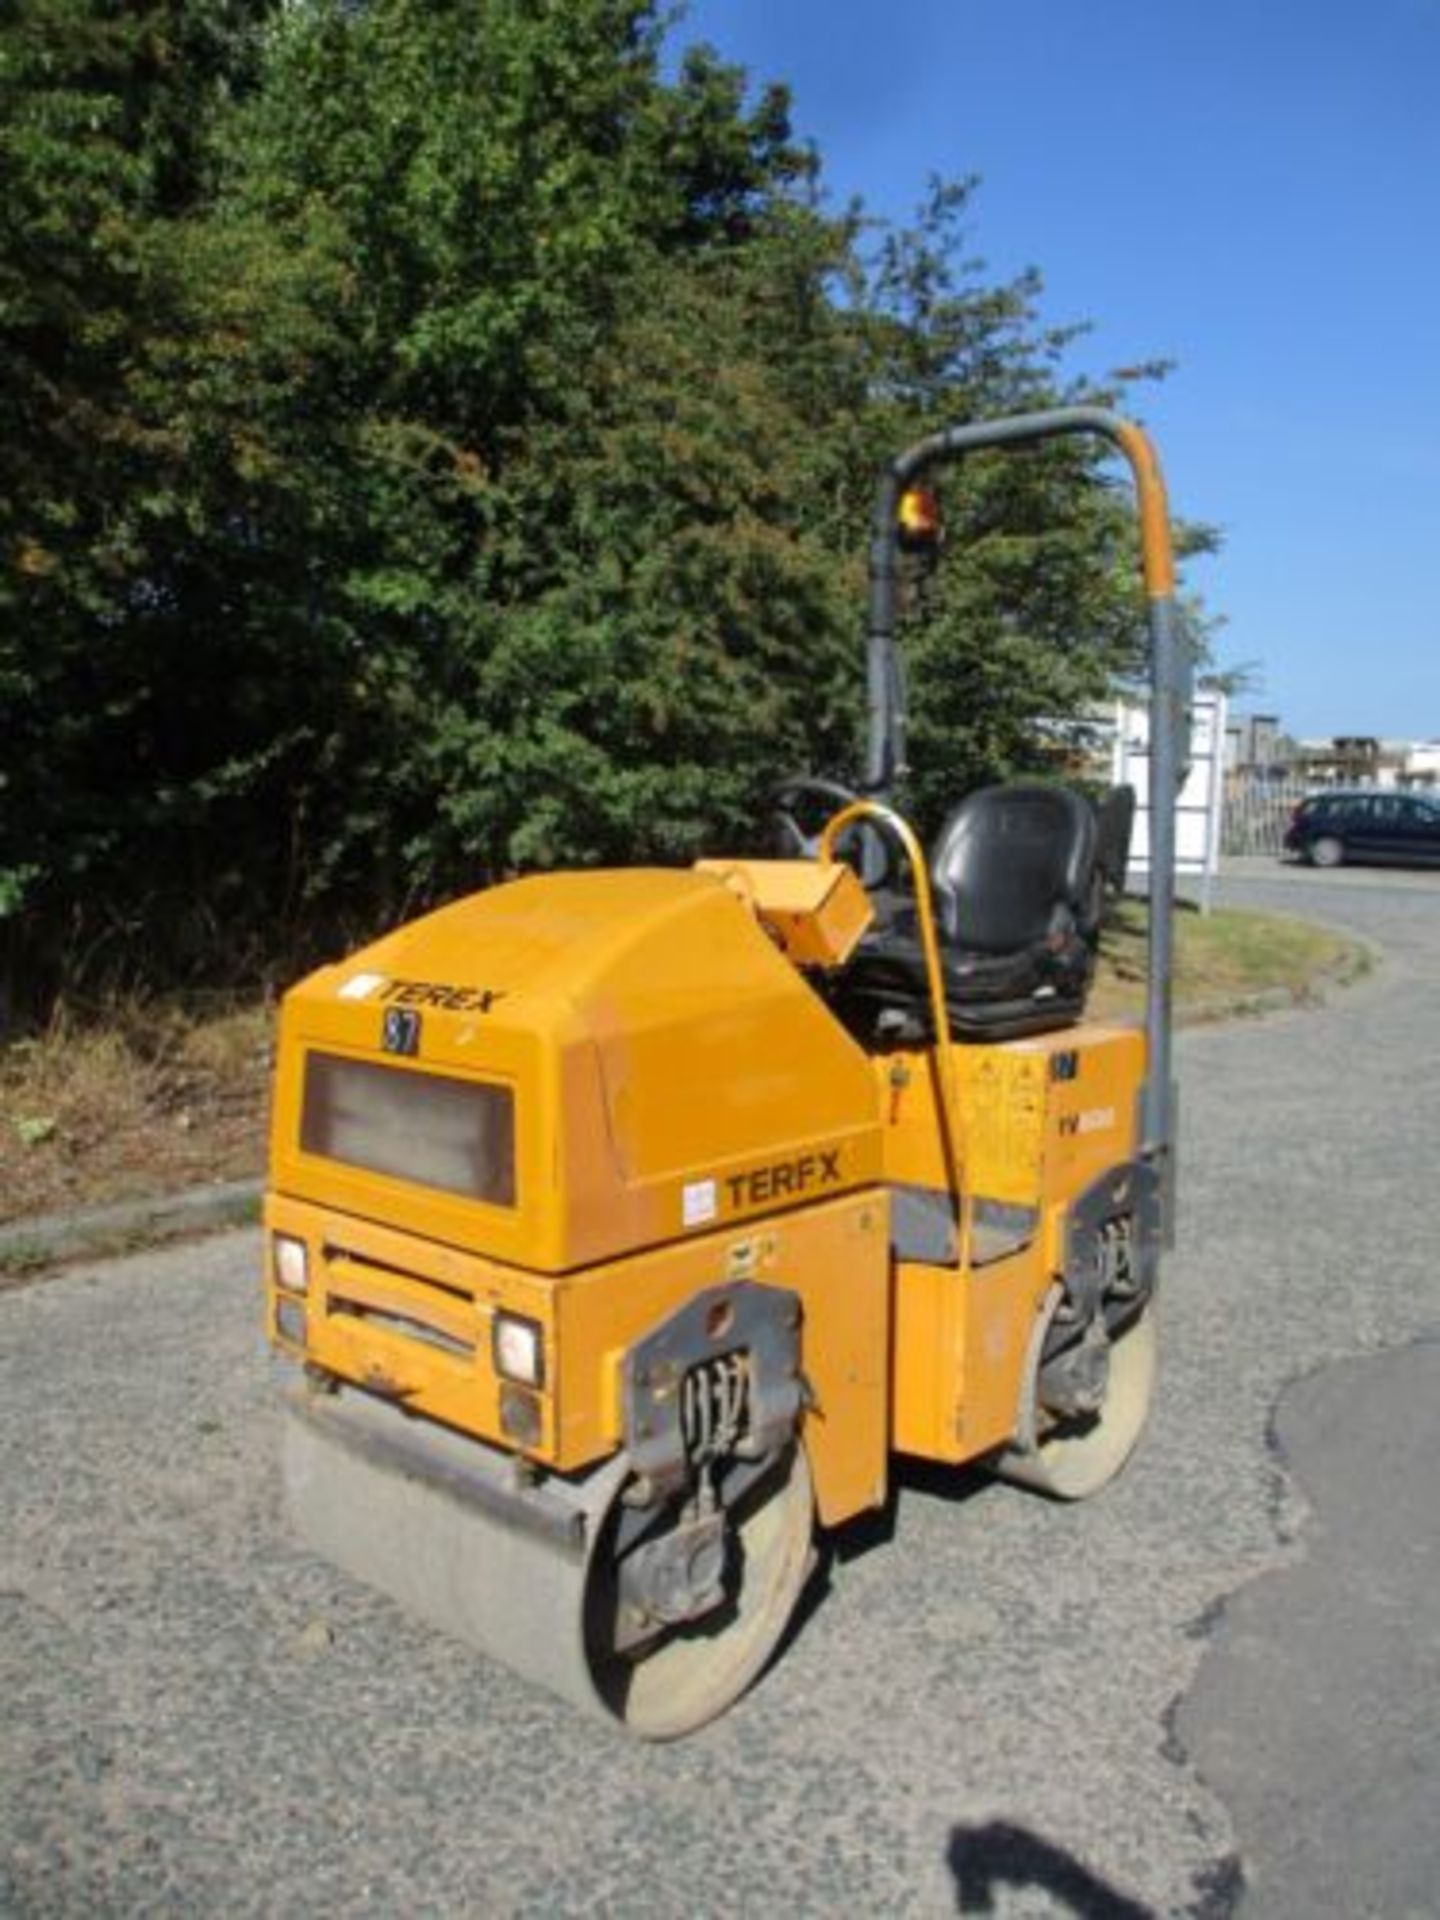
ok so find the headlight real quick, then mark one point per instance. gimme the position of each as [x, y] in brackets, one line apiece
[519, 1349]
[292, 1266]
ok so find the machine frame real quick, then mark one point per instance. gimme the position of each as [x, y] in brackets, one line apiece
[719, 1263]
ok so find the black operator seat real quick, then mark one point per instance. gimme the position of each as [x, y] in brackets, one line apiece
[1017, 907]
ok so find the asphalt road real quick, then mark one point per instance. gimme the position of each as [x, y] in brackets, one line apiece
[987, 1709]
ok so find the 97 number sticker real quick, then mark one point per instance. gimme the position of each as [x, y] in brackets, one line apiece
[400, 1031]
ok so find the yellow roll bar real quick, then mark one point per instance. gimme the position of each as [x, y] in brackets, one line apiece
[929, 946]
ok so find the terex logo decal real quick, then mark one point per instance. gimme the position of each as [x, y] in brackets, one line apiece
[425, 993]
[787, 1179]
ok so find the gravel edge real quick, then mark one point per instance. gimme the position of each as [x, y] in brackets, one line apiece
[29, 1249]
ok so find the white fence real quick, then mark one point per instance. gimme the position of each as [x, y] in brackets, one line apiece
[1258, 811]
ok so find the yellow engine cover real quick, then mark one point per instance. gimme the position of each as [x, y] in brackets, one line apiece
[657, 1069]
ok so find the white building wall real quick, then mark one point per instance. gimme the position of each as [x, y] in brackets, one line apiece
[1202, 797]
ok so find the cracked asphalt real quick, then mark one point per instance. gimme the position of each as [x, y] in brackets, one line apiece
[985, 1711]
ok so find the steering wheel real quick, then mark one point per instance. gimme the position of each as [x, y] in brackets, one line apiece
[789, 810]
[805, 800]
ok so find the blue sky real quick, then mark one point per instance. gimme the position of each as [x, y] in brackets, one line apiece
[1251, 190]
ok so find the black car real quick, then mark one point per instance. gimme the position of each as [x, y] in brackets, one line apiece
[1393, 829]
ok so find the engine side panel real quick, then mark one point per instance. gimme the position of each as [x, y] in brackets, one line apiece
[1039, 1121]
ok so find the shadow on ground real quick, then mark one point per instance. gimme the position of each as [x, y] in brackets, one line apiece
[998, 1854]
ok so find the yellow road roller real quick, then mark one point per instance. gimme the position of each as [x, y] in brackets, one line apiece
[626, 1225]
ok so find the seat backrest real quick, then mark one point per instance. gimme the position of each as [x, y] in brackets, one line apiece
[1014, 865]
[1115, 821]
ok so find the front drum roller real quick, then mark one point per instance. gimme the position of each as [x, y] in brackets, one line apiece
[526, 1572]
[1072, 1459]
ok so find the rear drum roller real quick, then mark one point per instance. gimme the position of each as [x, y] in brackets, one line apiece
[1073, 1458]
[693, 1672]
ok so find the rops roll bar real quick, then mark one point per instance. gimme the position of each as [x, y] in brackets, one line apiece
[1169, 692]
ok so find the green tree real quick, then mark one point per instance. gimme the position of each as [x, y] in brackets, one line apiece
[438, 444]
[104, 118]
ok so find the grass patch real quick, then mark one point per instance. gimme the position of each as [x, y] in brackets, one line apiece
[131, 1100]
[1225, 961]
